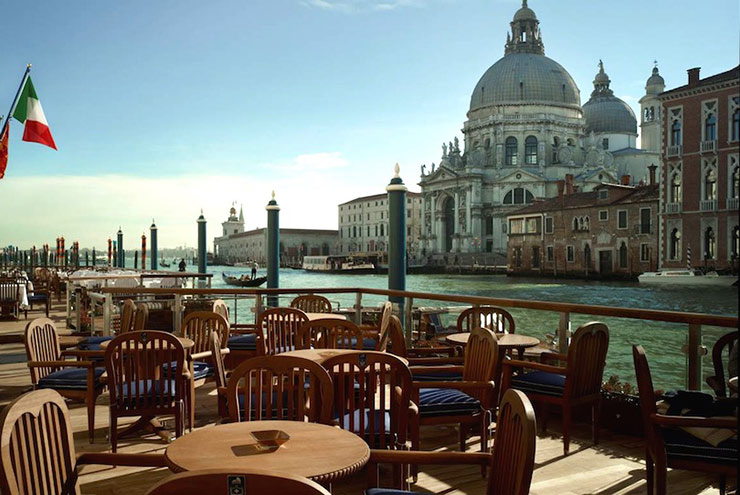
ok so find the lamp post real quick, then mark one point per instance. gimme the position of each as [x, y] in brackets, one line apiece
[273, 248]
[397, 236]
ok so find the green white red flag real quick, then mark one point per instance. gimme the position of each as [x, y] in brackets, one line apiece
[28, 110]
[4, 150]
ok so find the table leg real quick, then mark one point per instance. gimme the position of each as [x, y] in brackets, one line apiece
[148, 424]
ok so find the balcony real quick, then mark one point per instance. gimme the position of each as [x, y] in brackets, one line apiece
[709, 146]
[733, 203]
[674, 151]
[673, 208]
[708, 205]
[643, 228]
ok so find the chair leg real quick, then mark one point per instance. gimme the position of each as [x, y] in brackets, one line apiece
[596, 418]
[649, 474]
[415, 442]
[90, 400]
[179, 419]
[566, 429]
[113, 433]
[660, 477]
[463, 436]
[722, 485]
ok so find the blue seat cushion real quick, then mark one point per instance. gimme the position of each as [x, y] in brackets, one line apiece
[93, 343]
[149, 388]
[448, 376]
[38, 297]
[200, 369]
[680, 444]
[69, 378]
[539, 382]
[446, 402]
[246, 342]
[390, 491]
[368, 343]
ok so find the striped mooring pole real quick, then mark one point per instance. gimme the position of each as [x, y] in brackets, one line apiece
[153, 242]
[273, 249]
[688, 257]
[121, 261]
[397, 237]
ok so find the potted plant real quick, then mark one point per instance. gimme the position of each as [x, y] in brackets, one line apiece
[620, 407]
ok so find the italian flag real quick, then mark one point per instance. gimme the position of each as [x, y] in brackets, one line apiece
[28, 110]
[4, 150]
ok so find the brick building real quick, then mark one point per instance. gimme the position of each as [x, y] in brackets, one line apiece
[605, 233]
[699, 179]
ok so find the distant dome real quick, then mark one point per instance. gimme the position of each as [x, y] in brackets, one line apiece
[525, 13]
[604, 112]
[655, 83]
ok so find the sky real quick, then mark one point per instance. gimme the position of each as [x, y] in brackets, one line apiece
[161, 109]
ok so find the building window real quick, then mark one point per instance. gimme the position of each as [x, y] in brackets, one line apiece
[511, 151]
[530, 150]
[603, 215]
[710, 184]
[518, 196]
[489, 225]
[676, 133]
[644, 252]
[735, 247]
[674, 246]
[622, 219]
[570, 254]
[709, 244]
[555, 146]
[575, 224]
[516, 226]
[354, 231]
[549, 227]
[535, 257]
[735, 132]
[623, 255]
[710, 128]
[376, 230]
[603, 193]
[605, 143]
[382, 230]
[368, 231]
[675, 194]
[550, 253]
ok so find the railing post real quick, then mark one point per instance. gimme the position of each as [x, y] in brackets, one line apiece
[563, 328]
[177, 314]
[694, 355]
[107, 308]
[358, 308]
[67, 300]
[257, 306]
[408, 321]
[78, 309]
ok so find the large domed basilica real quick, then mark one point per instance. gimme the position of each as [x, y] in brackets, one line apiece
[526, 130]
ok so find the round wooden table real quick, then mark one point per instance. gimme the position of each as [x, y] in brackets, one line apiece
[321, 316]
[321, 355]
[506, 341]
[186, 343]
[319, 452]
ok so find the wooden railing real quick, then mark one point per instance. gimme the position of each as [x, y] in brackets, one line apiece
[693, 321]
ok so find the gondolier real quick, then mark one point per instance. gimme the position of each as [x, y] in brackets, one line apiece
[254, 270]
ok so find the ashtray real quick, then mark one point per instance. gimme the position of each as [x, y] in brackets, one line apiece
[271, 438]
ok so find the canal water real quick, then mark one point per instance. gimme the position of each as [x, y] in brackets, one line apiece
[662, 341]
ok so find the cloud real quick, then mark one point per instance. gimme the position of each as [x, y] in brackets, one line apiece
[354, 6]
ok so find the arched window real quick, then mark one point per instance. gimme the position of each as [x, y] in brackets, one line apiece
[623, 255]
[735, 125]
[735, 248]
[673, 248]
[587, 224]
[709, 243]
[710, 184]
[735, 183]
[354, 231]
[575, 223]
[555, 144]
[676, 133]
[518, 196]
[487, 143]
[511, 151]
[570, 142]
[710, 128]
[382, 230]
[675, 195]
[530, 150]
[581, 225]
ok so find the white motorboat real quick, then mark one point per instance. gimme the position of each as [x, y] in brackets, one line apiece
[687, 277]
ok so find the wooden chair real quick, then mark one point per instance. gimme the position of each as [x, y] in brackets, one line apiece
[74, 379]
[141, 317]
[511, 463]
[469, 402]
[279, 387]
[37, 449]
[329, 333]
[9, 297]
[576, 384]
[143, 378]
[311, 303]
[41, 289]
[198, 327]
[384, 328]
[718, 381]
[372, 397]
[220, 307]
[221, 482]
[667, 445]
[133, 318]
[438, 355]
[277, 329]
[128, 316]
[496, 319]
[219, 373]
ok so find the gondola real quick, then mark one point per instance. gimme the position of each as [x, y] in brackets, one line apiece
[243, 283]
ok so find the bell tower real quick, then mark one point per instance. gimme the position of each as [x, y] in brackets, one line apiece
[525, 36]
[651, 116]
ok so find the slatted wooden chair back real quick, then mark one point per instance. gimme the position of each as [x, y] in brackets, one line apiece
[481, 356]
[217, 358]
[397, 339]
[198, 325]
[329, 333]
[497, 319]
[128, 316]
[142, 369]
[586, 360]
[248, 481]
[42, 279]
[220, 307]
[653, 438]
[37, 451]
[384, 334]
[311, 303]
[372, 397]
[723, 347]
[9, 295]
[278, 329]
[514, 446]
[279, 387]
[42, 344]
[141, 317]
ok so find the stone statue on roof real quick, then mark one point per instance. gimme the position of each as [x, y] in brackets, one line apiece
[444, 150]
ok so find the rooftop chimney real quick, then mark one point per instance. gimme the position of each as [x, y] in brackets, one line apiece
[561, 188]
[625, 180]
[568, 184]
[694, 76]
[652, 169]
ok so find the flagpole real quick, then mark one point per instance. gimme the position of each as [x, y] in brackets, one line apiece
[15, 100]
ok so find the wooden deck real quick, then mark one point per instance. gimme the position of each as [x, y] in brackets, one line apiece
[614, 467]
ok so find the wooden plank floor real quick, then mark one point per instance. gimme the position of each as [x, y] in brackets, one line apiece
[615, 467]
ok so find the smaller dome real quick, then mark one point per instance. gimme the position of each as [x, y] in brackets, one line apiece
[609, 114]
[655, 83]
[525, 14]
[232, 211]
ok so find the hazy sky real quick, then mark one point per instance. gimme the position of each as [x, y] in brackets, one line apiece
[162, 108]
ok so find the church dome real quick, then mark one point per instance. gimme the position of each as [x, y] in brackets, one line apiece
[525, 75]
[655, 83]
[604, 112]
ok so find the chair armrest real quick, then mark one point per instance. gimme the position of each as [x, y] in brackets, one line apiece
[694, 421]
[71, 364]
[427, 361]
[435, 369]
[419, 351]
[82, 353]
[417, 457]
[553, 356]
[199, 355]
[107, 458]
[514, 363]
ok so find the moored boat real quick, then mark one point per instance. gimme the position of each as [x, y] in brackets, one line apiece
[687, 277]
[339, 264]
